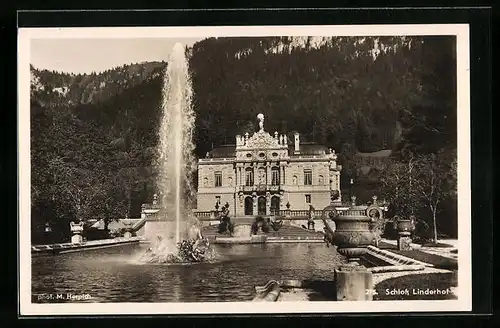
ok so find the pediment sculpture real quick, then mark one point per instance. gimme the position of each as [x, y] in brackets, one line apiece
[262, 140]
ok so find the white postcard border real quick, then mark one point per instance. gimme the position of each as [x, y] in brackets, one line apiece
[464, 290]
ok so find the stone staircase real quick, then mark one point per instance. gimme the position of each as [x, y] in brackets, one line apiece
[286, 233]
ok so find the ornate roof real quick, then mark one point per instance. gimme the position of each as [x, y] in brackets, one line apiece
[228, 151]
[262, 140]
[225, 151]
[309, 148]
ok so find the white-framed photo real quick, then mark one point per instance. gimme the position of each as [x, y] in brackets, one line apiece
[244, 169]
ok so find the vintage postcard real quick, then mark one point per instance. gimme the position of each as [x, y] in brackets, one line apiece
[271, 169]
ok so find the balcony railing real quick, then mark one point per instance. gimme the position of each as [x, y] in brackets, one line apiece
[204, 214]
[260, 187]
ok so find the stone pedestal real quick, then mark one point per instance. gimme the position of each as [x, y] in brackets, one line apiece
[77, 230]
[242, 231]
[404, 243]
[404, 228]
[310, 225]
[352, 232]
[127, 233]
[76, 239]
[353, 283]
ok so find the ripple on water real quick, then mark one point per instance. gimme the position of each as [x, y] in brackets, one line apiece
[112, 275]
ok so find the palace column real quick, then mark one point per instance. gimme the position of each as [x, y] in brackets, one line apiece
[236, 176]
[242, 175]
[268, 203]
[268, 173]
[255, 201]
[282, 178]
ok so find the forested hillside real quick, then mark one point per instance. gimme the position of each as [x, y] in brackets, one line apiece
[51, 88]
[94, 136]
[93, 148]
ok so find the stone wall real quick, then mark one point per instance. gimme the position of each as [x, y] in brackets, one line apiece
[206, 201]
[325, 178]
[318, 224]
[206, 175]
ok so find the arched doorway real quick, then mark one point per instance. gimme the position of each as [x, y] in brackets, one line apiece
[248, 206]
[275, 205]
[261, 206]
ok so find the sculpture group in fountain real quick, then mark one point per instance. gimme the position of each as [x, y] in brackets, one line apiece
[225, 224]
[195, 248]
[265, 224]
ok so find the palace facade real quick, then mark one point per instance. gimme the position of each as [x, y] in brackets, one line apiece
[263, 173]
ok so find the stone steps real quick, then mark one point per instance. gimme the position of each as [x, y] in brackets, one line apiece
[286, 232]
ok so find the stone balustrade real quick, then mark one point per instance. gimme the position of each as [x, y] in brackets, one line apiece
[151, 206]
[204, 214]
[260, 187]
[285, 214]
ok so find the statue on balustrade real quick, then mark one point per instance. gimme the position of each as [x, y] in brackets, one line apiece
[310, 221]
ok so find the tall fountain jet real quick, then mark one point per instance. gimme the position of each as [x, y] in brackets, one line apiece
[176, 144]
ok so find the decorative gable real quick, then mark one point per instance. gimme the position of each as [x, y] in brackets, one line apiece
[262, 140]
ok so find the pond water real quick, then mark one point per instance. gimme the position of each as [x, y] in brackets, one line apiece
[113, 275]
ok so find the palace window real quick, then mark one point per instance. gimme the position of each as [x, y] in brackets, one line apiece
[321, 181]
[275, 175]
[308, 199]
[262, 176]
[218, 179]
[249, 177]
[307, 177]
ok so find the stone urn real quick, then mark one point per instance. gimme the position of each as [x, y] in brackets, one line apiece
[128, 229]
[405, 228]
[77, 230]
[352, 232]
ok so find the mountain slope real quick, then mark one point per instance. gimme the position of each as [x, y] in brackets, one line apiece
[52, 88]
[94, 136]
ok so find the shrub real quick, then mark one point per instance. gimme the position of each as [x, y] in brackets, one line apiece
[255, 228]
[276, 225]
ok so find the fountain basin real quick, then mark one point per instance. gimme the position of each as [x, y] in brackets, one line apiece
[62, 248]
[114, 275]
